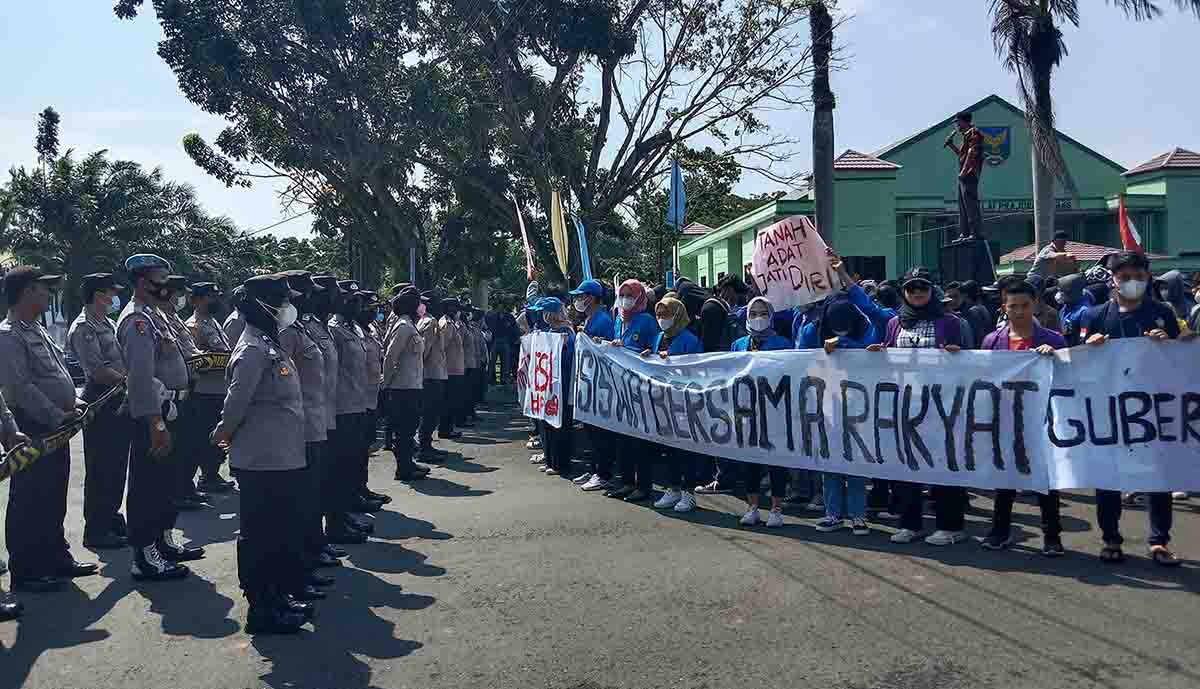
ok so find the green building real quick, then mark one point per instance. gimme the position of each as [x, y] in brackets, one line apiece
[896, 207]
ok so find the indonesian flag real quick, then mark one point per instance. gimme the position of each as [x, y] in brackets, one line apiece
[1130, 239]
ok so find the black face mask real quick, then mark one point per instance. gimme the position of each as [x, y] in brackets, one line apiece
[350, 309]
[158, 290]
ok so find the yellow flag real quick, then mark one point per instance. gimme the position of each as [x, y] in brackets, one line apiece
[558, 232]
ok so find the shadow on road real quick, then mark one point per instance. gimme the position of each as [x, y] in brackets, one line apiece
[190, 607]
[393, 526]
[444, 488]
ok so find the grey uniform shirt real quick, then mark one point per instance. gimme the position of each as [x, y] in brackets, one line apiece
[33, 373]
[319, 331]
[453, 342]
[352, 366]
[306, 354]
[434, 357]
[8, 423]
[469, 344]
[403, 362]
[264, 408]
[150, 352]
[93, 343]
[209, 337]
[234, 324]
[374, 368]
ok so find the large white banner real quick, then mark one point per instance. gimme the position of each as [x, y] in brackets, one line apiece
[789, 264]
[542, 398]
[970, 418]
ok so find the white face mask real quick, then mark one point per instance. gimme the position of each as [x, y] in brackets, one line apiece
[582, 304]
[1132, 289]
[1059, 298]
[180, 303]
[626, 303]
[758, 324]
[285, 315]
[115, 305]
[666, 323]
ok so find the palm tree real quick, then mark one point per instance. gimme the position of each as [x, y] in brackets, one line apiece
[1028, 40]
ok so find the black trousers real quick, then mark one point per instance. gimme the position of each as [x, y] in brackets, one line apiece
[198, 416]
[370, 431]
[470, 393]
[949, 506]
[404, 415]
[452, 409]
[682, 468]
[310, 501]
[603, 442]
[559, 443]
[1002, 512]
[970, 220]
[150, 504]
[271, 542]
[752, 473]
[1108, 514]
[636, 458]
[502, 353]
[206, 410]
[37, 506]
[433, 398]
[106, 465]
[339, 481]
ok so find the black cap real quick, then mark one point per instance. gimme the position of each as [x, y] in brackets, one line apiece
[409, 292]
[206, 289]
[917, 275]
[99, 281]
[450, 303]
[326, 281]
[1127, 259]
[302, 281]
[21, 277]
[369, 298]
[430, 296]
[349, 287]
[269, 288]
[399, 286]
[179, 283]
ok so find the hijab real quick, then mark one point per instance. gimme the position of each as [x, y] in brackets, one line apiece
[911, 315]
[764, 335]
[638, 292]
[842, 314]
[678, 314]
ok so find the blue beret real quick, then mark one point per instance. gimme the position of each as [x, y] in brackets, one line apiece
[140, 262]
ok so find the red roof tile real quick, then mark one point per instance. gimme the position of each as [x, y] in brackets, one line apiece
[1083, 252]
[695, 229]
[1175, 159]
[853, 160]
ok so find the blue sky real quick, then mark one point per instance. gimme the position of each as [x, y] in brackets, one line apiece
[1123, 90]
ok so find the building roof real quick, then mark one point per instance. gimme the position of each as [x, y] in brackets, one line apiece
[1083, 252]
[1174, 159]
[695, 229]
[853, 160]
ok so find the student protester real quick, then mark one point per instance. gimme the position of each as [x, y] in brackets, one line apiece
[633, 329]
[1194, 315]
[1131, 313]
[718, 328]
[1174, 291]
[762, 338]
[964, 301]
[675, 339]
[1074, 301]
[588, 301]
[1022, 333]
[558, 442]
[924, 323]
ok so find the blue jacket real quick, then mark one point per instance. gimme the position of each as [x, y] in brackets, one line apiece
[773, 343]
[683, 343]
[1070, 316]
[599, 325]
[568, 364]
[1108, 319]
[639, 334]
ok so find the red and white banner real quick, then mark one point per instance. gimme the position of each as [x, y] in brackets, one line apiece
[1131, 239]
[542, 396]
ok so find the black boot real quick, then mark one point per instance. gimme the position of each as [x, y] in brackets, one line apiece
[10, 610]
[175, 552]
[307, 609]
[270, 614]
[149, 565]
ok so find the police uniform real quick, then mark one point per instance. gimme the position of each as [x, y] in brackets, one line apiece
[192, 439]
[403, 378]
[317, 325]
[452, 338]
[350, 440]
[41, 395]
[433, 369]
[470, 381]
[92, 341]
[371, 392]
[208, 393]
[235, 322]
[157, 382]
[263, 420]
[9, 609]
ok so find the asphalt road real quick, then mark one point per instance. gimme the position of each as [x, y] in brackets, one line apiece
[491, 575]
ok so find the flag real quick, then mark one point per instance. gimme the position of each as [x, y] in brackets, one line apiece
[677, 201]
[1131, 240]
[558, 232]
[584, 259]
[530, 273]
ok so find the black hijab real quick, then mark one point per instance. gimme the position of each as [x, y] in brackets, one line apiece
[911, 315]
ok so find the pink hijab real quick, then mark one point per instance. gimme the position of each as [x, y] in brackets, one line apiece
[638, 292]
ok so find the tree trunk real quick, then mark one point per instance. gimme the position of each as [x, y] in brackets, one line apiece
[821, 27]
[1043, 177]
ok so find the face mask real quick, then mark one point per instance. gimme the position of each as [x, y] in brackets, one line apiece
[758, 324]
[626, 303]
[180, 303]
[379, 317]
[115, 305]
[421, 311]
[581, 305]
[158, 290]
[285, 315]
[841, 333]
[1132, 289]
[1059, 298]
[666, 323]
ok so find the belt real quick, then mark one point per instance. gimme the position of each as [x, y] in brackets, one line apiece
[179, 395]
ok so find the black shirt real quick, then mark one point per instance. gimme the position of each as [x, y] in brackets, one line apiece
[1108, 319]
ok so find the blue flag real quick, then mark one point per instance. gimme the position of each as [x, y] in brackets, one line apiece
[677, 200]
[584, 260]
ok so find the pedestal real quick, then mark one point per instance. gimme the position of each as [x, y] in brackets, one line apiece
[969, 260]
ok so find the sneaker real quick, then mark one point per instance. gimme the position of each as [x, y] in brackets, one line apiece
[885, 516]
[582, 478]
[595, 483]
[533, 444]
[775, 519]
[1179, 495]
[751, 517]
[905, 536]
[550, 471]
[538, 458]
[669, 499]
[995, 541]
[686, 503]
[827, 524]
[1052, 546]
[817, 504]
[941, 537]
[859, 527]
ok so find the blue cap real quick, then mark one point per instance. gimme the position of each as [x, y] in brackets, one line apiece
[139, 262]
[590, 287]
[548, 304]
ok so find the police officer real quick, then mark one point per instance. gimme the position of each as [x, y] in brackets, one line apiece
[349, 440]
[209, 392]
[452, 339]
[316, 310]
[468, 385]
[10, 437]
[235, 322]
[263, 425]
[92, 340]
[157, 380]
[191, 441]
[403, 376]
[433, 397]
[41, 395]
[368, 319]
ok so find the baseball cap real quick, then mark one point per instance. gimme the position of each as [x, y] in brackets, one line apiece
[589, 287]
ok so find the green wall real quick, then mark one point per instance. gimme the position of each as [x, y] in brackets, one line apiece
[1183, 212]
[865, 209]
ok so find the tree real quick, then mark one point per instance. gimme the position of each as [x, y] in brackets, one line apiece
[821, 27]
[1028, 40]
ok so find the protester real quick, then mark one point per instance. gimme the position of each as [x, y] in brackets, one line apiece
[558, 442]
[675, 339]
[1174, 291]
[1045, 263]
[588, 301]
[634, 329]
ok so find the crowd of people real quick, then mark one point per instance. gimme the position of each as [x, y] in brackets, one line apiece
[293, 387]
[1118, 298]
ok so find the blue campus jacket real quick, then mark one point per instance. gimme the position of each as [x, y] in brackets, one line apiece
[683, 343]
[639, 334]
[599, 325]
[774, 342]
[568, 363]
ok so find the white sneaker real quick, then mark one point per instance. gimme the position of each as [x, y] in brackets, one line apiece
[827, 524]
[751, 517]
[885, 516]
[550, 471]
[582, 478]
[774, 519]
[905, 536]
[858, 526]
[595, 483]
[940, 537]
[669, 499]
[1179, 495]
[537, 458]
[686, 503]
[533, 444]
[816, 505]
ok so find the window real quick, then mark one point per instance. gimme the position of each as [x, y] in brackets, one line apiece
[704, 281]
[867, 267]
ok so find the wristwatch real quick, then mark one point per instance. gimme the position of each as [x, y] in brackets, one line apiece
[160, 426]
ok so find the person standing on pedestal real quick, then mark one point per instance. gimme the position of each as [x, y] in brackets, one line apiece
[970, 165]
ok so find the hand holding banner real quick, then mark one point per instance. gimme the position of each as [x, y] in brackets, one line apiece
[790, 265]
[542, 397]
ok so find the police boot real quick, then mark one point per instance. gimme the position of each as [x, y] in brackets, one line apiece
[10, 610]
[270, 614]
[369, 494]
[308, 610]
[174, 551]
[149, 565]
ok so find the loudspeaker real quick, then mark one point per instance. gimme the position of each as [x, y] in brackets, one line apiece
[969, 260]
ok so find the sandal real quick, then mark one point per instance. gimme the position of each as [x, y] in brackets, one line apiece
[1164, 557]
[1112, 554]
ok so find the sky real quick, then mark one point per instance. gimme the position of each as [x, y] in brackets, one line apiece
[1124, 89]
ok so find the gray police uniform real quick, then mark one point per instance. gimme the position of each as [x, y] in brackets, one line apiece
[264, 413]
[371, 395]
[299, 344]
[192, 440]
[8, 422]
[233, 326]
[208, 396]
[350, 441]
[319, 330]
[152, 354]
[40, 393]
[93, 342]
